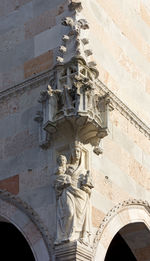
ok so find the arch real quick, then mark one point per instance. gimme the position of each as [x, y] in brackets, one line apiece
[13, 210]
[127, 212]
[14, 245]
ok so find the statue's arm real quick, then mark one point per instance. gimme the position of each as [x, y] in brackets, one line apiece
[87, 183]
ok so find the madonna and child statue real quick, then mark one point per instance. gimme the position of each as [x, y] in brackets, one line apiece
[73, 186]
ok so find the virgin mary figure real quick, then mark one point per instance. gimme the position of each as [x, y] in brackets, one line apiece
[73, 204]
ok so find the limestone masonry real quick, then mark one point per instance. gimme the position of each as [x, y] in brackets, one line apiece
[74, 127]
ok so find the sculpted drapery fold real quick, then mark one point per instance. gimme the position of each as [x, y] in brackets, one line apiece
[73, 186]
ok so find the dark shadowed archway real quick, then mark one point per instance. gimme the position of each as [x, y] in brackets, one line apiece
[128, 226]
[119, 250]
[13, 244]
[132, 243]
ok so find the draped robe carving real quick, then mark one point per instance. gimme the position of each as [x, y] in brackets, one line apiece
[73, 201]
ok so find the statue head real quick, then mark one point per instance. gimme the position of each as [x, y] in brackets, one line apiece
[61, 160]
[76, 151]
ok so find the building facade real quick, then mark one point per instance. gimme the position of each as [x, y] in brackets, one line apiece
[74, 128]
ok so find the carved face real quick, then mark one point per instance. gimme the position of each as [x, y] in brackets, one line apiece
[61, 160]
[77, 153]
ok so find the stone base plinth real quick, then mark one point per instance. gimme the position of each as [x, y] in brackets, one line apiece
[73, 251]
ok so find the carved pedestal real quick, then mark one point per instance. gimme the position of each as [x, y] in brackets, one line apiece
[73, 251]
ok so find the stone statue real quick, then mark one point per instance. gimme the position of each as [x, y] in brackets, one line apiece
[62, 180]
[73, 186]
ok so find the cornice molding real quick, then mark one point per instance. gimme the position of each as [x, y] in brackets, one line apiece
[115, 102]
[33, 82]
[119, 105]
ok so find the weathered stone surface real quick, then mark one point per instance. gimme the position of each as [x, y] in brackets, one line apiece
[40, 24]
[73, 251]
[38, 64]
[97, 217]
[31, 37]
[11, 58]
[47, 40]
[9, 6]
[11, 184]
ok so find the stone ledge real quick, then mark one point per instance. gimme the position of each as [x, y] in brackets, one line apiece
[73, 251]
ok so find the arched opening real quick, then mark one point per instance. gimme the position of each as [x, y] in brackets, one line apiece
[119, 250]
[132, 243]
[13, 244]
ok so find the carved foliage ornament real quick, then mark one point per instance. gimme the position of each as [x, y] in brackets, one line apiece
[72, 94]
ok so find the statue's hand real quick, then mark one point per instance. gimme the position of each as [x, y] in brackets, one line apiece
[86, 189]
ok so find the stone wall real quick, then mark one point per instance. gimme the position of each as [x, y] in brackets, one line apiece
[120, 41]
[30, 34]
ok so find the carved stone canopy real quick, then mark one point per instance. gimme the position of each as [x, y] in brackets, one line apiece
[72, 96]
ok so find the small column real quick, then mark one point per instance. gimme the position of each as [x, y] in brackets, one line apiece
[73, 251]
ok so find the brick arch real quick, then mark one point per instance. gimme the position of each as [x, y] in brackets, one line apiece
[26, 220]
[127, 212]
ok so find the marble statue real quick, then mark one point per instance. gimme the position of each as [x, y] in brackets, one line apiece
[73, 186]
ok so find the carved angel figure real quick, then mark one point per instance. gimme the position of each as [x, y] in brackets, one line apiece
[73, 202]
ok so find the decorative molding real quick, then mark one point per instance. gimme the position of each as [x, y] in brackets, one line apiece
[114, 211]
[28, 210]
[30, 83]
[119, 105]
[114, 100]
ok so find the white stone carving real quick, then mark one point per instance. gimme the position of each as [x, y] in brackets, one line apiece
[65, 38]
[73, 186]
[63, 49]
